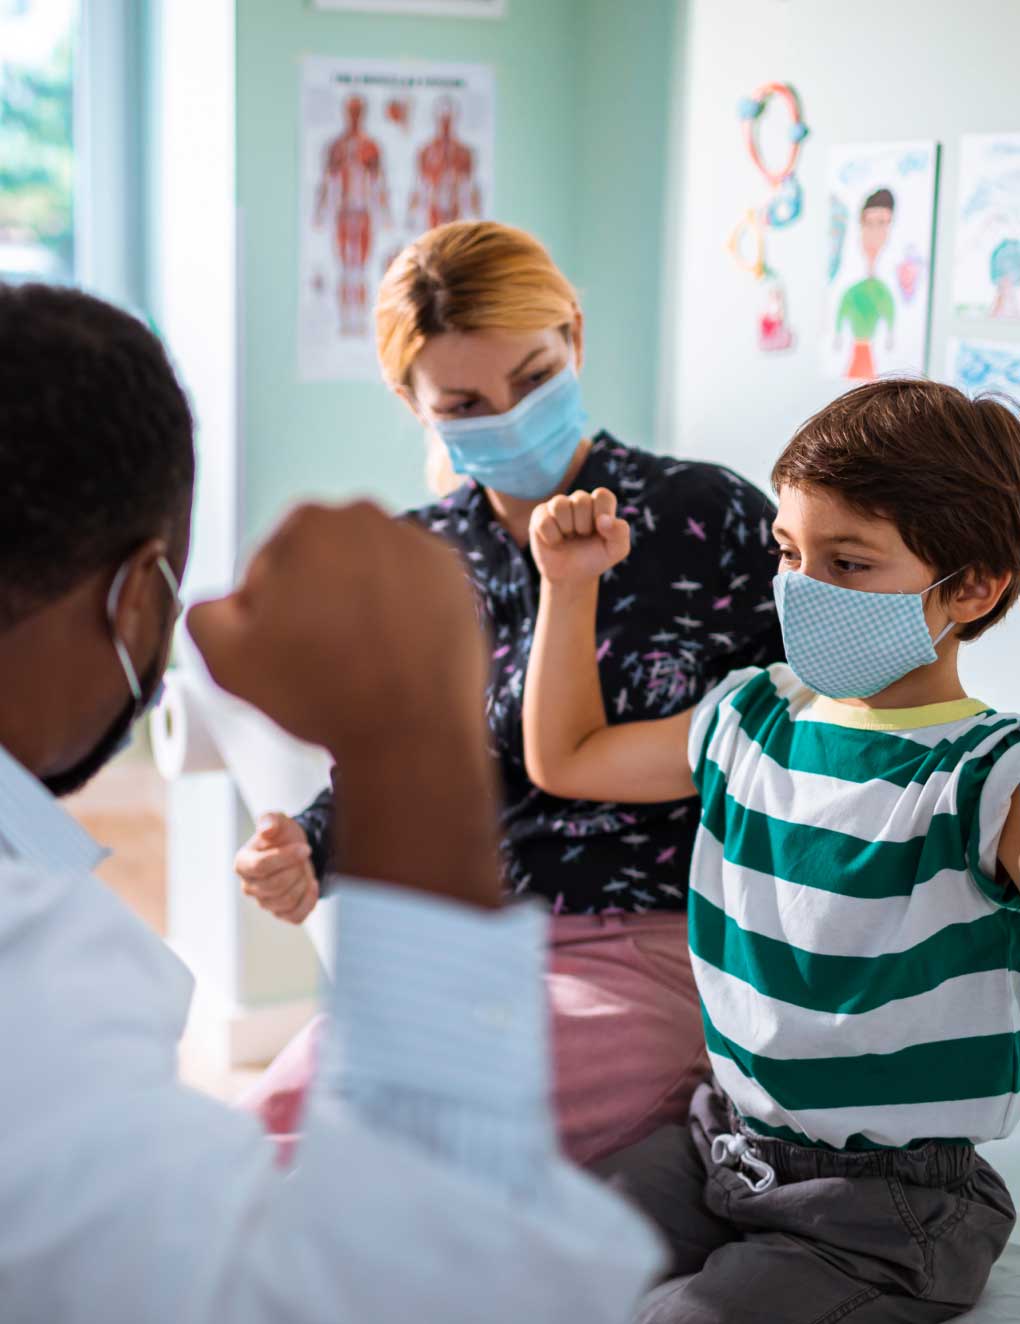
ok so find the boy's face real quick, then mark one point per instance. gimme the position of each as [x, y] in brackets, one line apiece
[820, 535]
[876, 223]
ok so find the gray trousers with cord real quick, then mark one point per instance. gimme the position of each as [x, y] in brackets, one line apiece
[766, 1231]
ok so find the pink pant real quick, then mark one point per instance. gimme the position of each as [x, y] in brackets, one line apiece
[628, 1048]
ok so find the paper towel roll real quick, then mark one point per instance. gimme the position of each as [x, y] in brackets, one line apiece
[272, 770]
[181, 739]
[200, 728]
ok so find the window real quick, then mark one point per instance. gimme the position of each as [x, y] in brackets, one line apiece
[38, 40]
[70, 213]
[72, 172]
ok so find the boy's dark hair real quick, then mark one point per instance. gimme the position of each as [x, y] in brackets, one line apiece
[880, 198]
[96, 448]
[943, 468]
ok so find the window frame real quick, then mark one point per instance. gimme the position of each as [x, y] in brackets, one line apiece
[109, 122]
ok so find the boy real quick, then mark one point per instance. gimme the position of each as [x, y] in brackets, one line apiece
[854, 901]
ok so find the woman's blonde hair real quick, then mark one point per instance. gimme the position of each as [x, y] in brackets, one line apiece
[466, 276]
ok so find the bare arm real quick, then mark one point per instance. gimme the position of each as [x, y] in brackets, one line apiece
[570, 750]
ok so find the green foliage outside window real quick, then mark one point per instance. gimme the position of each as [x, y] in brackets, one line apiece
[36, 138]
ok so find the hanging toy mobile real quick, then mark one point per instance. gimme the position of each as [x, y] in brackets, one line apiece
[747, 243]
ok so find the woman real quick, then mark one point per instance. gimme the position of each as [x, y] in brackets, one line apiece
[482, 337]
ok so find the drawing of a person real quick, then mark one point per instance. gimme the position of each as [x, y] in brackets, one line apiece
[870, 302]
[1005, 273]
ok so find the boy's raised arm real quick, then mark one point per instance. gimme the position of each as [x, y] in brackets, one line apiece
[569, 748]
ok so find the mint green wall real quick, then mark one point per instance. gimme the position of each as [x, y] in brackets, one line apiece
[625, 57]
[582, 103]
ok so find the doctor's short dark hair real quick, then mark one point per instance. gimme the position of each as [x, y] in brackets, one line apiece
[96, 448]
[943, 468]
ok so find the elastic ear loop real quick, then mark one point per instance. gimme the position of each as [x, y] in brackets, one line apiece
[952, 624]
[112, 602]
[172, 585]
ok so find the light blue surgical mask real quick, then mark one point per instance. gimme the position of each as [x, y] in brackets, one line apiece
[526, 451]
[847, 644]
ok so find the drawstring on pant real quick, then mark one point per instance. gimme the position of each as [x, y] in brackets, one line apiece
[737, 1152]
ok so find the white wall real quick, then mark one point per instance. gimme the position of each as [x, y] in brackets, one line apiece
[255, 976]
[194, 285]
[877, 70]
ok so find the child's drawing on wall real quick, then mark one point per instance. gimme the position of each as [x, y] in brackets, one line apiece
[987, 268]
[869, 303]
[1004, 269]
[985, 367]
[881, 216]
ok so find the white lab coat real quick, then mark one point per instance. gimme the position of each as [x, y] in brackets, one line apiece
[426, 1189]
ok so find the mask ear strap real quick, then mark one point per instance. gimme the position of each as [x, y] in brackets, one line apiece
[172, 584]
[952, 624]
[124, 657]
[944, 580]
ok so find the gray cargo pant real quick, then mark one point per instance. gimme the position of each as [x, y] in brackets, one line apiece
[764, 1230]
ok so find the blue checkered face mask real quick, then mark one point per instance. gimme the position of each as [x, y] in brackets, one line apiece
[846, 644]
[526, 451]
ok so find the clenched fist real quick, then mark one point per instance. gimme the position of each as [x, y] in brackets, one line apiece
[347, 624]
[358, 633]
[578, 538]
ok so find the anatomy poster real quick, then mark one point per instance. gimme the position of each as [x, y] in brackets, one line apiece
[987, 275]
[881, 224]
[388, 149]
[981, 367]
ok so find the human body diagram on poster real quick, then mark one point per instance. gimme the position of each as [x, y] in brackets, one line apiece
[354, 203]
[445, 186]
[388, 151]
[748, 242]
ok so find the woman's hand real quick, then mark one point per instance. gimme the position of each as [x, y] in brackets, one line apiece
[577, 538]
[275, 868]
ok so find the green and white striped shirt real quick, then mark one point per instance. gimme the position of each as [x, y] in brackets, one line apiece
[858, 962]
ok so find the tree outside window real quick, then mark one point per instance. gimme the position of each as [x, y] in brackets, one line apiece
[37, 49]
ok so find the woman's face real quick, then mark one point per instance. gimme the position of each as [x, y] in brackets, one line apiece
[477, 373]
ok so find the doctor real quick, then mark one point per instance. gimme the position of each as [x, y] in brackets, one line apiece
[427, 1185]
